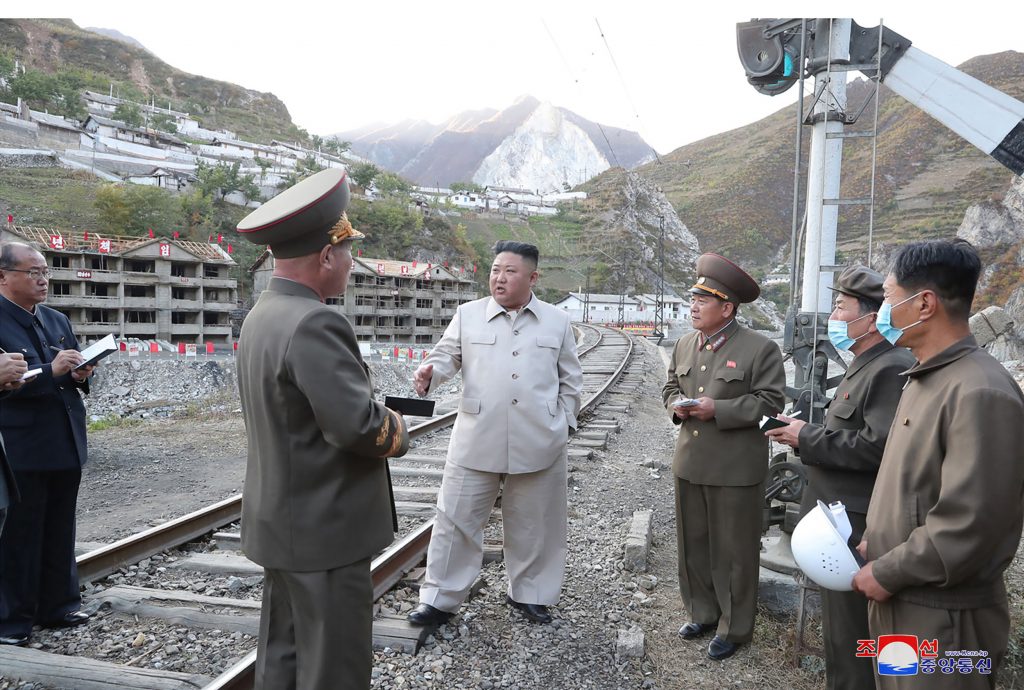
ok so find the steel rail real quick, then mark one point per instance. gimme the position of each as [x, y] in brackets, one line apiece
[386, 570]
[390, 566]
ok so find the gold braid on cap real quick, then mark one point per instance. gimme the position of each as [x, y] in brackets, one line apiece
[342, 230]
[713, 291]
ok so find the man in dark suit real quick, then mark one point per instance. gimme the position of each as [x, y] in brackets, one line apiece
[721, 380]
[12, 368]
[316, 506]
[842, 457]
[43, 425]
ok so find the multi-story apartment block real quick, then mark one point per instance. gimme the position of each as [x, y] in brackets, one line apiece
[392, 301]
[136, 287]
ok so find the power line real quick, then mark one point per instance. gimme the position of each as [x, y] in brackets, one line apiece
[568, 68]
[625, 89]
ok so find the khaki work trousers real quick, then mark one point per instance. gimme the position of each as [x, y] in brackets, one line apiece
[533, 512]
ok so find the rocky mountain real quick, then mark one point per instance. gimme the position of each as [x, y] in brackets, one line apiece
[530, 145]
[98, 62]
[734, 190]
[117, 36]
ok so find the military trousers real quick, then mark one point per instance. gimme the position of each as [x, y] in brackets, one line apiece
[534, 517]
[316, 629]
[718, 534]
[844, 620]
[954, 630]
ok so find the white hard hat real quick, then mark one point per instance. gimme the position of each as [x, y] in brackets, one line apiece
[821, 550]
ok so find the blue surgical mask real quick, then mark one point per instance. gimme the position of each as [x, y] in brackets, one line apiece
[884, 321]
[839, 334]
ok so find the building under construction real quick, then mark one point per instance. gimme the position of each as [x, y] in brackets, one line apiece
[402, 302]
[136, 287]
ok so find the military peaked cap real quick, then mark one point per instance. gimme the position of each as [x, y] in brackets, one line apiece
[720, 277]
[860, 281]
[304, 218]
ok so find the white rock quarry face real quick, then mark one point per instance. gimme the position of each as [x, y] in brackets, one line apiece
[542, 154]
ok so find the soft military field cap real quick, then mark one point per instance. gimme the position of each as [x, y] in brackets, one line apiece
[720, 277]
[304, 218]
[860, 281]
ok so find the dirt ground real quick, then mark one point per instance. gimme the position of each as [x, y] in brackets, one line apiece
[145, 472]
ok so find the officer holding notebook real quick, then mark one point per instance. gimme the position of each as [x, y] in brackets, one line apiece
[722, 379]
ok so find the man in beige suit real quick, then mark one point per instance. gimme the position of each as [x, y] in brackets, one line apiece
[521, 382]
[316, 506]
[946, 512]
[721, 380]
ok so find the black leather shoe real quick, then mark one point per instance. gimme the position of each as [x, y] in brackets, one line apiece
[68, 620]
[538, 613]
[425, 614]
[691, 631]
[18, 640]
[721, 649]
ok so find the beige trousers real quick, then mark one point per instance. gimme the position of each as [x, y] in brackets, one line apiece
[533, 510]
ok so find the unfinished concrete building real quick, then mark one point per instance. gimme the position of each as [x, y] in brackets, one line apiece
[401, 302]
[136, 287]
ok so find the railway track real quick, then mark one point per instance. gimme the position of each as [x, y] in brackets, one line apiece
[604, 354]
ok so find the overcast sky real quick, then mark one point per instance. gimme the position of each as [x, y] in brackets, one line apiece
[338, 66]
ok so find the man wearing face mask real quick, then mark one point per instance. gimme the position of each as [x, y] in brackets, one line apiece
[945, 516]
[842, 457]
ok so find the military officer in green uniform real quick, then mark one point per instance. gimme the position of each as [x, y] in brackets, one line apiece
[946, 512]
[842, 457]
[722, 379]
[317, 503]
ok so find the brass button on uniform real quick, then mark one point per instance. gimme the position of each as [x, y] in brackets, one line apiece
[707, 347]
[703, 367]
[696, 433]
[906, 421]
[701, 389]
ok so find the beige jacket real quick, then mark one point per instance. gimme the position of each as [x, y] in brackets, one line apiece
[521, 382]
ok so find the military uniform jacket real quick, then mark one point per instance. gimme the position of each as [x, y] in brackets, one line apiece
[521, 384]
[743, 374]
[945, 515]
[316, 493]
[842, 457]
[43, 422]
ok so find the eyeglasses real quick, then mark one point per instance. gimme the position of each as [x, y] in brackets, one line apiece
[33, 273]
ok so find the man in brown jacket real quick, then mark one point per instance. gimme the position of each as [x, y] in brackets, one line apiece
[721, 380]
[842, 457]
[945, 515]
[316, 505]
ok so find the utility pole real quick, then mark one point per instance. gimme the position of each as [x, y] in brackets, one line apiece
[622, 291]
[659, 304]
[586, 299]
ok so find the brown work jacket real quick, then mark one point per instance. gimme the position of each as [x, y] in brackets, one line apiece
[945, 516]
